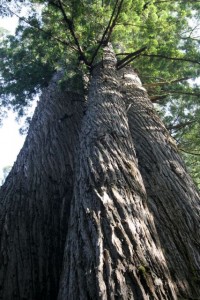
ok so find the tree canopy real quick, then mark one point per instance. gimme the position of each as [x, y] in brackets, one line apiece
[160, 39]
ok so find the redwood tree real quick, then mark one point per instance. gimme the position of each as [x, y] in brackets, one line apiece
[99, 204]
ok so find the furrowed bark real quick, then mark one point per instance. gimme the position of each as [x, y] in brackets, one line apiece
[35, 199]
[112, 250]
[172, 196]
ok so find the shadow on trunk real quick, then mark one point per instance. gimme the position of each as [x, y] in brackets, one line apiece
[172, 196]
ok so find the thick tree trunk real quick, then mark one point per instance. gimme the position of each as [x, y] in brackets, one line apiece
[35, 199]
[172, 196]
[133, 231]
[112, 249]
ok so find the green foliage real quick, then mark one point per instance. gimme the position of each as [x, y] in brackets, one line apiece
[64, 33]
[181, 114]
[189, 146]
[24, 67]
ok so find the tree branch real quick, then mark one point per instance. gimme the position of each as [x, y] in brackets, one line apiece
[180, 125]
[70, 26]
[197, 38]
[123, 62]
[114, 21]
[110, 24]
[156, 98]
[183, 93]
[172, 58]
[154, 84]
[188, 152]
[130, 60]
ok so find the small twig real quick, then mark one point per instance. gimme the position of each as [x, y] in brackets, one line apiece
[196, 38]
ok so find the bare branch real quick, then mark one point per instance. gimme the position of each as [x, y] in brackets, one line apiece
[160, 83]
[180, 125]
[183, 93]
[123, 62]
[191, 33]
[124, 53]
[188, 152]
[172, 58]
[196, 38]
[129, 61]
[156, 98]
[163, 56]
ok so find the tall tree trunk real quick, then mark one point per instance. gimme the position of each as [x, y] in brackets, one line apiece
[172, 196]
[112, 249]
[35, 199]
[133, 230]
